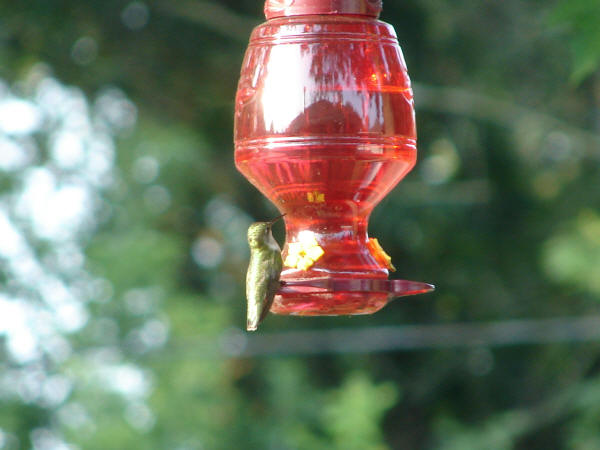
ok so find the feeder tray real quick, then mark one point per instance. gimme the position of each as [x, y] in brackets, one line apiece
[393, 288]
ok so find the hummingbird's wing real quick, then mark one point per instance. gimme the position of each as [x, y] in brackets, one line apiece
[262, 283]
[273, 285]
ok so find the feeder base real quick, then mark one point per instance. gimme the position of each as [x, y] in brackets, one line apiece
[341, 296]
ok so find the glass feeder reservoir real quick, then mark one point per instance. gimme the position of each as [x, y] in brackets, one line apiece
[325, 128]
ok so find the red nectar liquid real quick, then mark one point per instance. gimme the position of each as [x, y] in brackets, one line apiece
[325, 128]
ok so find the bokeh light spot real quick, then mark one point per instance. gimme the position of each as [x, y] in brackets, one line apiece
[135, 16]
[207, 252]
[84, 50]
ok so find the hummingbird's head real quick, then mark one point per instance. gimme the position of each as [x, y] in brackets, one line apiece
[260, 232]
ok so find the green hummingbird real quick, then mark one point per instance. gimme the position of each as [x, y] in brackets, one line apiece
[262, 279]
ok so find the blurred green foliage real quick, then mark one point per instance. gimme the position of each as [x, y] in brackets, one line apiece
[501, 213]
[581, 18]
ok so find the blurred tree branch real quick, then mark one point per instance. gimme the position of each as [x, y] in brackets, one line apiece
[235, 342]
[415, 337]
[458, 193]
[460, 101]
[213, 16]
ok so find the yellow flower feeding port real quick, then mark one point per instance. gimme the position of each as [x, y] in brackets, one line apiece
[303, 254]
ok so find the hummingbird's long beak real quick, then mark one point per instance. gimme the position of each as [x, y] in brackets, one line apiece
[271, 222]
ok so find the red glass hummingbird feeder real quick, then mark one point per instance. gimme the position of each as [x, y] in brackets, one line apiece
[325, 128]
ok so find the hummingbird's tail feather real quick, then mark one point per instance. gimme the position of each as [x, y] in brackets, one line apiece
[264, 313]
[252, 320]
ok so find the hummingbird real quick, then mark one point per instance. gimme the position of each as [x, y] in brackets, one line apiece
[264, 270]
